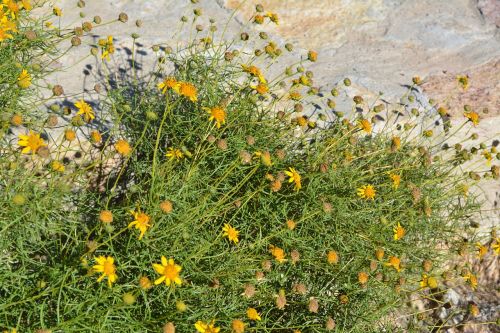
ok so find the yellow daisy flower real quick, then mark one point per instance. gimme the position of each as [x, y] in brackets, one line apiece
[85, 109]
[495, 246]
[294, 178]
[57, 11]
[188, 90]
[122, 147]
[472, 279]
[174, 153]
[168, 83]
[367, 192]
[261, 88]
[24, 79]
[395, 263]
[277, 253]
[399, 232]
[141, 222]
[252, 314]
[169, 272]
[217, 114]
[365, 125]
[106, 266]
[482, 250]
[473, 117]
[107, 47]
[463, 81]
[255, 72]
[231, 233]
[396, 180]
[31, 142]
[206, 327]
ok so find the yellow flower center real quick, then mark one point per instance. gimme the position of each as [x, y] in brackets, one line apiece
[170, 272]
[108, 268]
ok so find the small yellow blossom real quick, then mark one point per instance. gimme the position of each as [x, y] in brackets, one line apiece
[168, 83]
[294, 178]
[57, 11]
[472, 279]
[273, 17]
[238, 326]
[473, 117]
[332, 257]
[463, 81]
[86, 110]
[261, 88]
[254, 71]
[31, 142]
[188, 90]
[396, 180]
[399, 232]
[482, 250]
[141, 222]
[24, 79]
[365, 125]
[122, 147]
[174, 153]
[217, 114]
[367, 192]
[107, 47]
[252, 314]
[169, 272]
[231, 233]
[202, 327]
[106, 266]
[277, 253]
[495, 246]
[57, 166]
[395, 263]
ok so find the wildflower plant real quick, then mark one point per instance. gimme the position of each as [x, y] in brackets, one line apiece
[210, 197]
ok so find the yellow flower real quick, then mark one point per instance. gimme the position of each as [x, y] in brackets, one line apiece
[463, 81]
[217, 114]
[273, 17]
[365, 125]
[399, 232]
[472, 279]
[278, 253]
[122, 147]
[174, 153]
[57, 166]
[424, 281]
[141, 222]
[85, 109]
[6, 26]
[394, 262]
[294, 178]
[57, 11]
[255, 72]
[106, 266]
[169, 272]
[367, 192]
[26, 4]
[231, 233]
[332, 257]
[482, 250]
[396, 180]
[261, 88]
[31, 142]
[12, 8]
[189, 91]
[495, 246]
[24, 79]
[238, 326]
[206, 327]
[252, 314]
[107, 47]
[473, 117]
[168, 83]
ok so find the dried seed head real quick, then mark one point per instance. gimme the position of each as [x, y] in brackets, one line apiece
[330, 324]
[327, 207]
[245, 157]
[344, 299]
[244, 36]
[180, 306]
[249, 290]
[43, 152]
[259, 8]
[313, 305]
[281, 300]
[128, 298]
[78, 31]
[299, 288]
[222, 144]
[75, 41]
[266, 265]
[31, 35]
[198, 12]
[138, 23]
[123, 17]
[259, 275]
[57, 90]
[347, 82]
[373, 265]
[276, 185]
[97, 20]
[295, 255]
[169, 328]
[281, 154]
